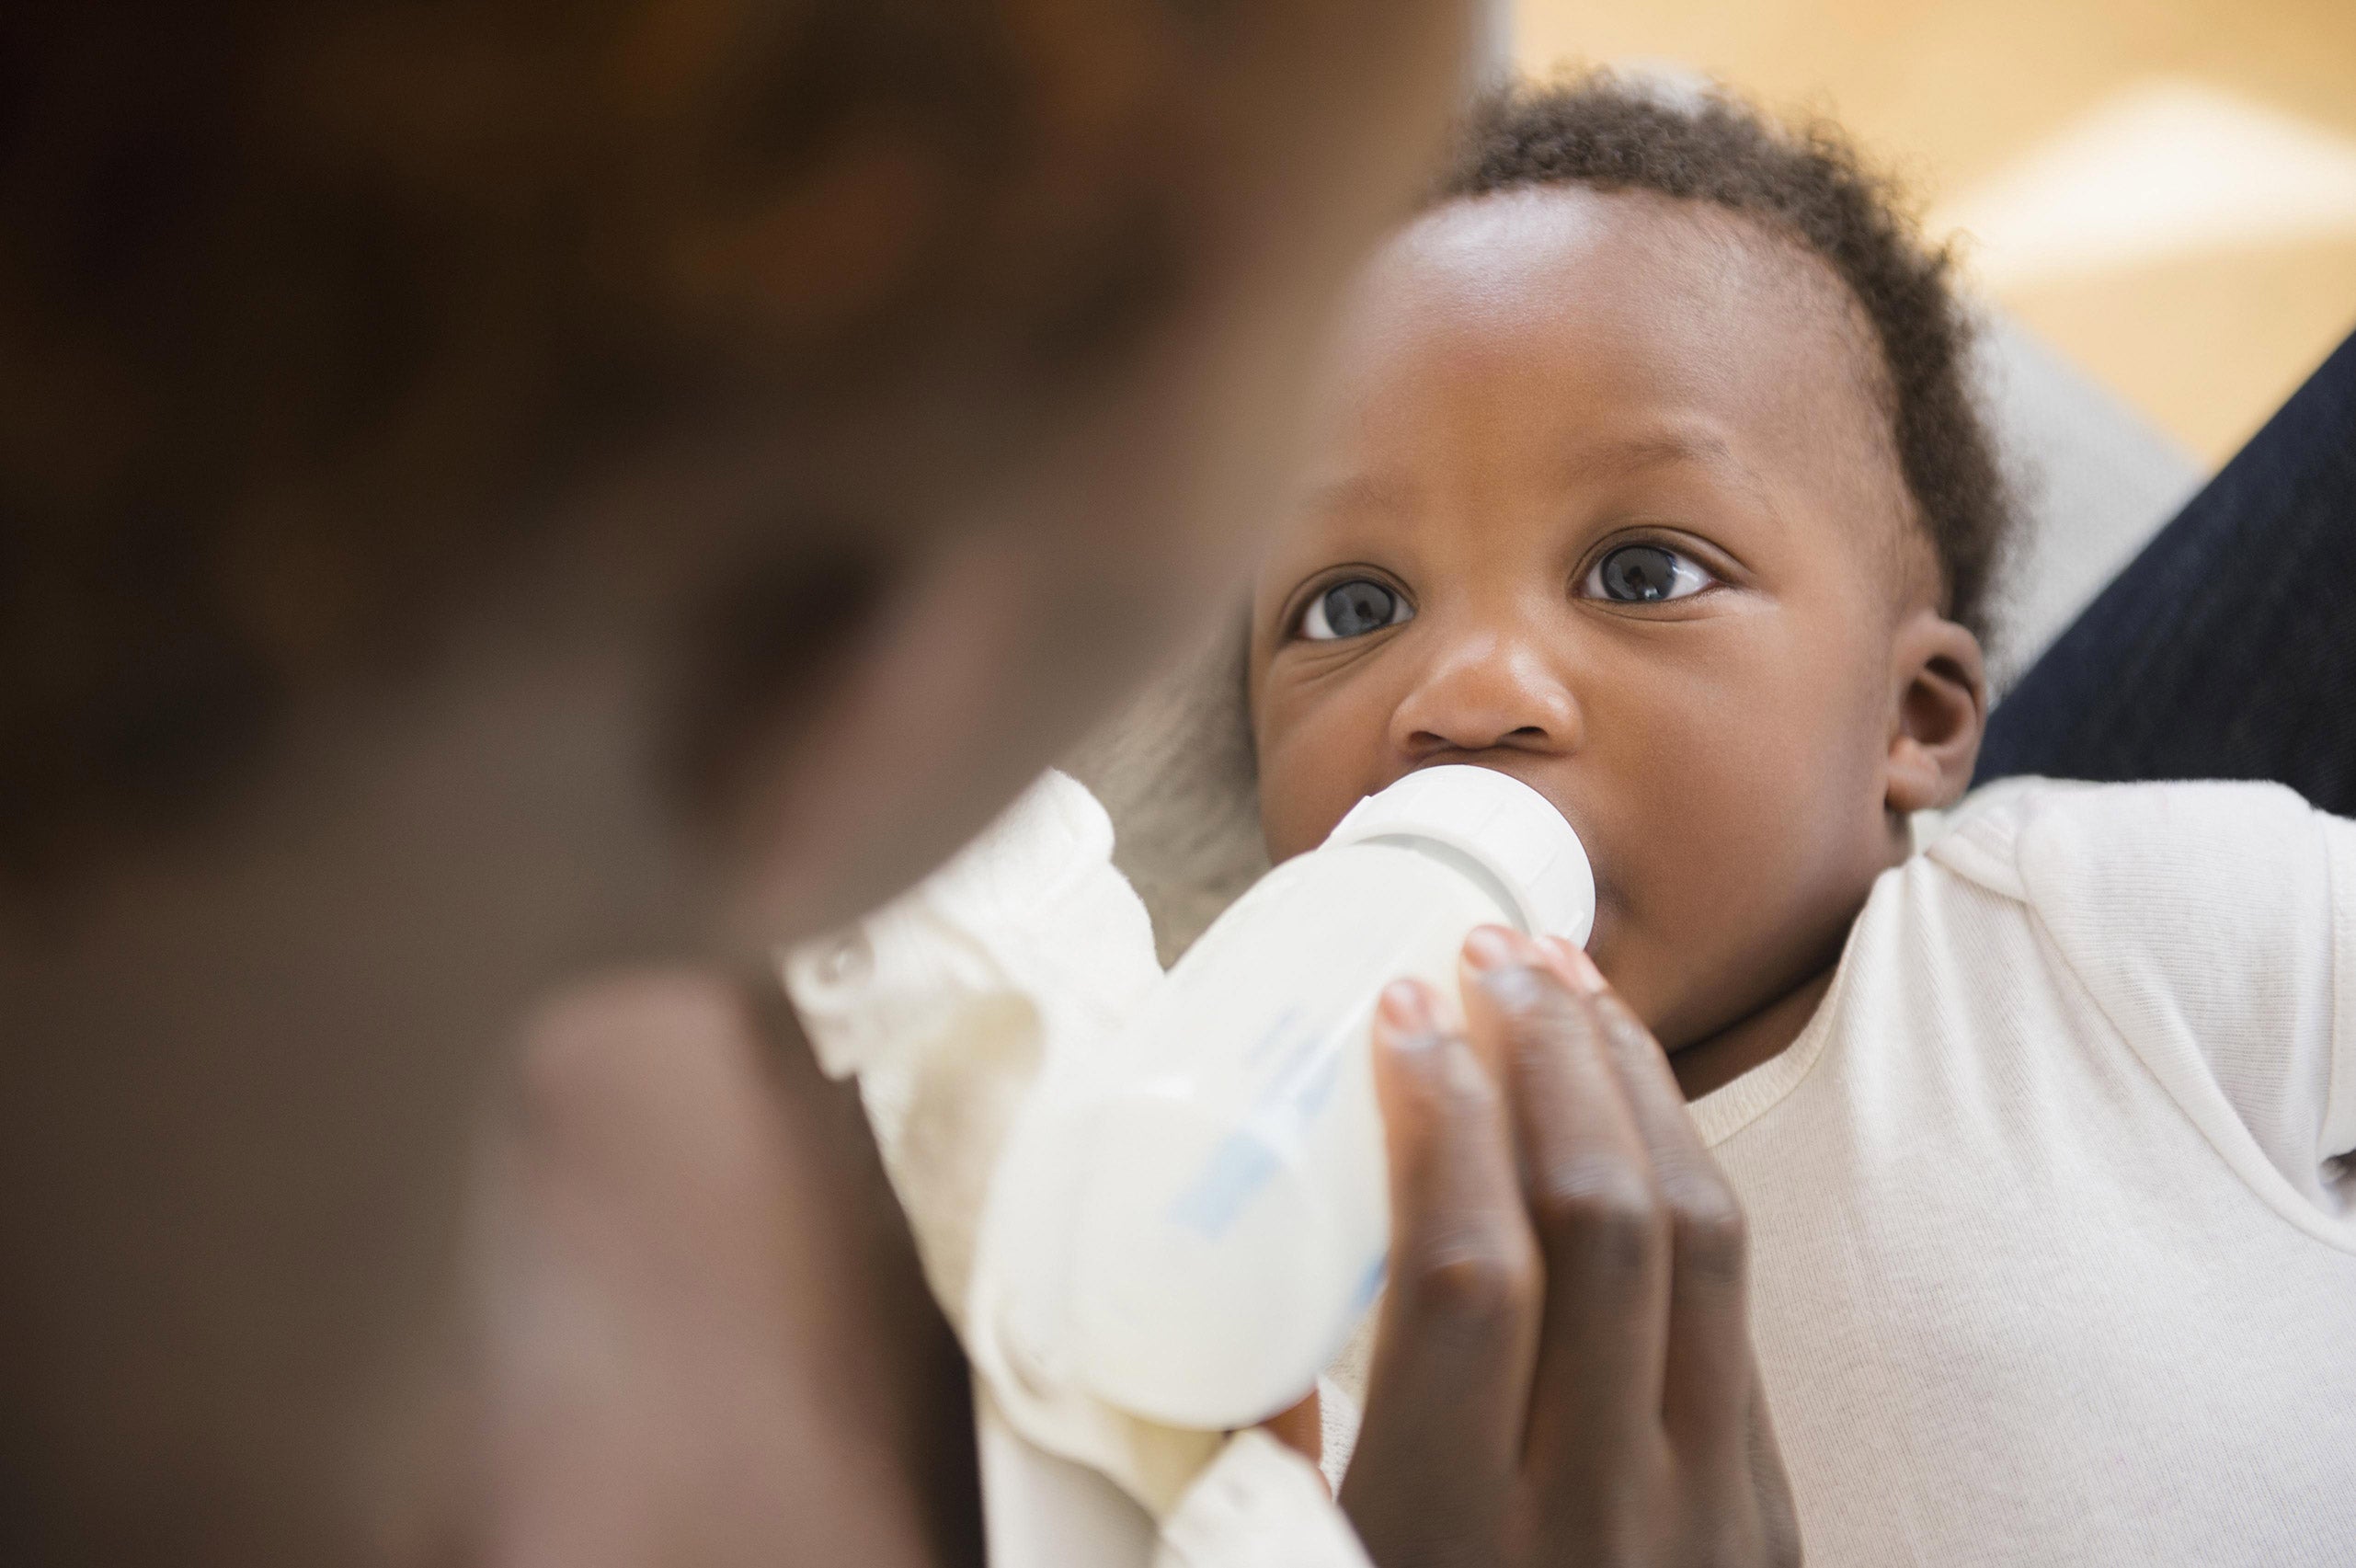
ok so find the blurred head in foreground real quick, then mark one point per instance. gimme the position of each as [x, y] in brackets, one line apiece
[489, 488]
[351, 345]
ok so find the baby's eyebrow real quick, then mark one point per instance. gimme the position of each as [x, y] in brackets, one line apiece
[1618, 459]
[1381, 493]
[1356, 494]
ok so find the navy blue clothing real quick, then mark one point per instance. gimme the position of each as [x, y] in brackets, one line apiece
[2227, 649]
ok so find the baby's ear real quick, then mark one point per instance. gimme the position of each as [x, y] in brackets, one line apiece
[1939, 710]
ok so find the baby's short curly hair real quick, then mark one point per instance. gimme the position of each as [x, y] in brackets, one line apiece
[1613, 134]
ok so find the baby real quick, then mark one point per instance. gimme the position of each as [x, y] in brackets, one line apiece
[1647, 473]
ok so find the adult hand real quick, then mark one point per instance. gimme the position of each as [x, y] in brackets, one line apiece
[1564, 1369]
[703, 1332]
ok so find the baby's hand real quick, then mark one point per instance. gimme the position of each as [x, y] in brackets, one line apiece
[1563, 1370]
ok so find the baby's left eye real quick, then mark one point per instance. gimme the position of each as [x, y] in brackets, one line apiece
[1645, 574]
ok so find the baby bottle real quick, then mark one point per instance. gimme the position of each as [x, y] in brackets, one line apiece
[1224, 1203]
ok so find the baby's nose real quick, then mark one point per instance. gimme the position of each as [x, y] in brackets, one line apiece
[1484, 694]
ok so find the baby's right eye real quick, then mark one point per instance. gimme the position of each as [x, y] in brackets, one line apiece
[1352, 608]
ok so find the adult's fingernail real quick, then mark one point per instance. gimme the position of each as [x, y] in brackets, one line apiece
[1490, 947]
[1575, 966]
[1404, 1019]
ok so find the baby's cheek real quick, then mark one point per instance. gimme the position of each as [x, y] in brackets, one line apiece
[1713, 851]
[1308, 780]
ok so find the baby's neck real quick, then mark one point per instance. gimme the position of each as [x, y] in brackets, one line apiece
[1760, 1037]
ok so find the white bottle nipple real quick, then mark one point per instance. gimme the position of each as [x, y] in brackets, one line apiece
[1508, 830]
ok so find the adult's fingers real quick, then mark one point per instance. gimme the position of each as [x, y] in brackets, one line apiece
[1706, 1395]
[1439, 1450]
[1595, 1400]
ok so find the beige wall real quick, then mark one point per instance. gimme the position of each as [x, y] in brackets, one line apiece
[2205, 325]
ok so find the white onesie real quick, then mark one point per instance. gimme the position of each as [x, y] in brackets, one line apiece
[2054, 1215]
[2052, 1208]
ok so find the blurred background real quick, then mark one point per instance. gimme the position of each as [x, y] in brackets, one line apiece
[2163, 190]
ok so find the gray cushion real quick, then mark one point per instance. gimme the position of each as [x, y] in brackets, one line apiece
[2095, 480]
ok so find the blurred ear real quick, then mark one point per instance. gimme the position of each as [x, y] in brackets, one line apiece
[1940, 712]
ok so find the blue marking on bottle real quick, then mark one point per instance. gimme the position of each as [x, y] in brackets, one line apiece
[1370, 1286]
[1236, 1170]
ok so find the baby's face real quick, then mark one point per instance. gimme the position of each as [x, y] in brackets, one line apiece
[1603, 497]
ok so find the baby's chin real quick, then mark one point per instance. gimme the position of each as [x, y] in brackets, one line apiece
[1748, 1007]
[1650, 974]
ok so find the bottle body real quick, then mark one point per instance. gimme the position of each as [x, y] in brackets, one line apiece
[1214, 1218]
[1233, 1214]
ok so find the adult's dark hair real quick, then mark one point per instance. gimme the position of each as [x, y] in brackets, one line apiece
[1808, 183]
[309, 307]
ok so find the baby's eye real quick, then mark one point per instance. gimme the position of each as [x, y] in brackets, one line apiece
[1352, 608]
[1645, 574]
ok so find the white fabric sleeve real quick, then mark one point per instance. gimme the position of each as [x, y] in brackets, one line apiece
[952, 1006]
[1259, 1506]
[2215, 926]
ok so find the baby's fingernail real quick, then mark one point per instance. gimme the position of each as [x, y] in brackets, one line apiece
[1490, 947]
[1404, 1015]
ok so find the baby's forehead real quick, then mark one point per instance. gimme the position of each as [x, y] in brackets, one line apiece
[1591, 299]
